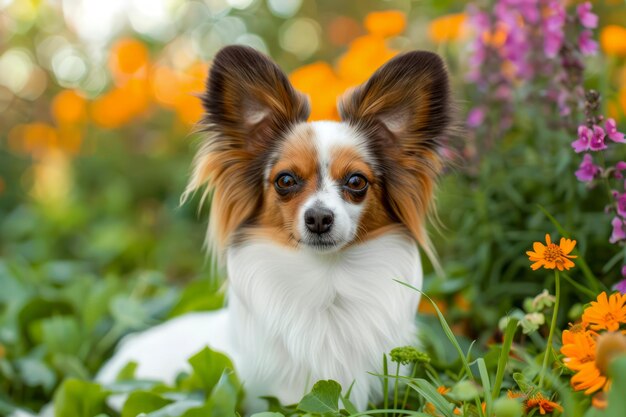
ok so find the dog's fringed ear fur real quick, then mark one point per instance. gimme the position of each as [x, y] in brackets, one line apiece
[249, 104]
[404, 110]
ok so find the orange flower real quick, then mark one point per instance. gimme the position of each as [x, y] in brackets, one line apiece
[613, 40]
[544, 405]
[579, 349]
[606, 313]
[386, 23]
[128, 56]
[68, 108]
[443, 390]
[447, 28]
[552, 256]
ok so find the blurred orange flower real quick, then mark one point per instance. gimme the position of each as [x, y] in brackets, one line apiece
[68, 108]
[324, 83]
[33, 138]
[385, 23]
[321, 84]
[613, 40]
[363, 57]
[447, 28]
[127, 57]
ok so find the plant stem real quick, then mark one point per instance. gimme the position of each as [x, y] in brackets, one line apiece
[385, 385]
[395, 388]
[555, 313]
[406, 389]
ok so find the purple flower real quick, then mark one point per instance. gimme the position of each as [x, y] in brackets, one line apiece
[621, 204]
[553, 29]
[619, 167]
[597, 139]
[586, 17]
[612, 133]
[620, 286]
[587, 45]
[587, 170]
[584, 139]
[475, 117]
[618, 230]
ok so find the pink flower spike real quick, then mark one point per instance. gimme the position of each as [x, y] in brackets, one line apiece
[587, 170]
[618, 230]
[586, 44]
[624, 271]
[597, 139]
[584, 139]
[586, 17]
[612, 133]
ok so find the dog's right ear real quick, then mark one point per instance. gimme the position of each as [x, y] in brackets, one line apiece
[249, 100]
[249, 104]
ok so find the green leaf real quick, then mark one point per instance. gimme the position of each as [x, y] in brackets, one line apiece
[268, 414]
[61, 334]
[128, 312]
[224, 397]
[323, 398]
[35, 372]
[484, 377]
[200, 295]
[208, 367]
[76, 398]
[509, 333]
[446, 329]
[143, 402]
[429, 392]
[127, 372]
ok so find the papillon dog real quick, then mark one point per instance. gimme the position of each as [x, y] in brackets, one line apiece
[315, 222]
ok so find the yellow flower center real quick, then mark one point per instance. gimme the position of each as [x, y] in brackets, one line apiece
[553, 253]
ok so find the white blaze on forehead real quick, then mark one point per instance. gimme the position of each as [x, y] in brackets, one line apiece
[327, 137]
[332, 135]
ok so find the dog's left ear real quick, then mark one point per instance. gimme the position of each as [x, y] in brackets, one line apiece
[406, 101]
[404, 110]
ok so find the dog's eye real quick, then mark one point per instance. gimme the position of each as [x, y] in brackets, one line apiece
[285, 183]
[356, 182]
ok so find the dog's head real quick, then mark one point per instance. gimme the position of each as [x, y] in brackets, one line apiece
[320, 185]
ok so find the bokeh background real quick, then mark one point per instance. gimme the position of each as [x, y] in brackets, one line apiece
[98, 106]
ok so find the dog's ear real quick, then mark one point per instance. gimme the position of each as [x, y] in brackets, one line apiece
[404, 110]
[249, 104]
[249, 100]
[406, 100]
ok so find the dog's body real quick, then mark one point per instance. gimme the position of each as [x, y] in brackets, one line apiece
[295, 319]
[315, 222]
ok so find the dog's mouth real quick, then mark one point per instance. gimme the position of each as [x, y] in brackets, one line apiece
[320, 244]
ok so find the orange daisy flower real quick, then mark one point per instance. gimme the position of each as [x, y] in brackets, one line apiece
[606, 313]
[552, 256]
[544, 405]
[579, 349]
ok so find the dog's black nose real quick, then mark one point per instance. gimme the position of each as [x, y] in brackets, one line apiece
[318, 220]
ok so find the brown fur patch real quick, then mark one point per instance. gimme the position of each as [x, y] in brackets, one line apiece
[346, 161]
[278, 216]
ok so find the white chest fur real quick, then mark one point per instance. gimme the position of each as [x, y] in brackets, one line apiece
[300, 316]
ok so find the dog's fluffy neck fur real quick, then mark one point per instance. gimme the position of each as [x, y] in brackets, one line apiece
[298, 316]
